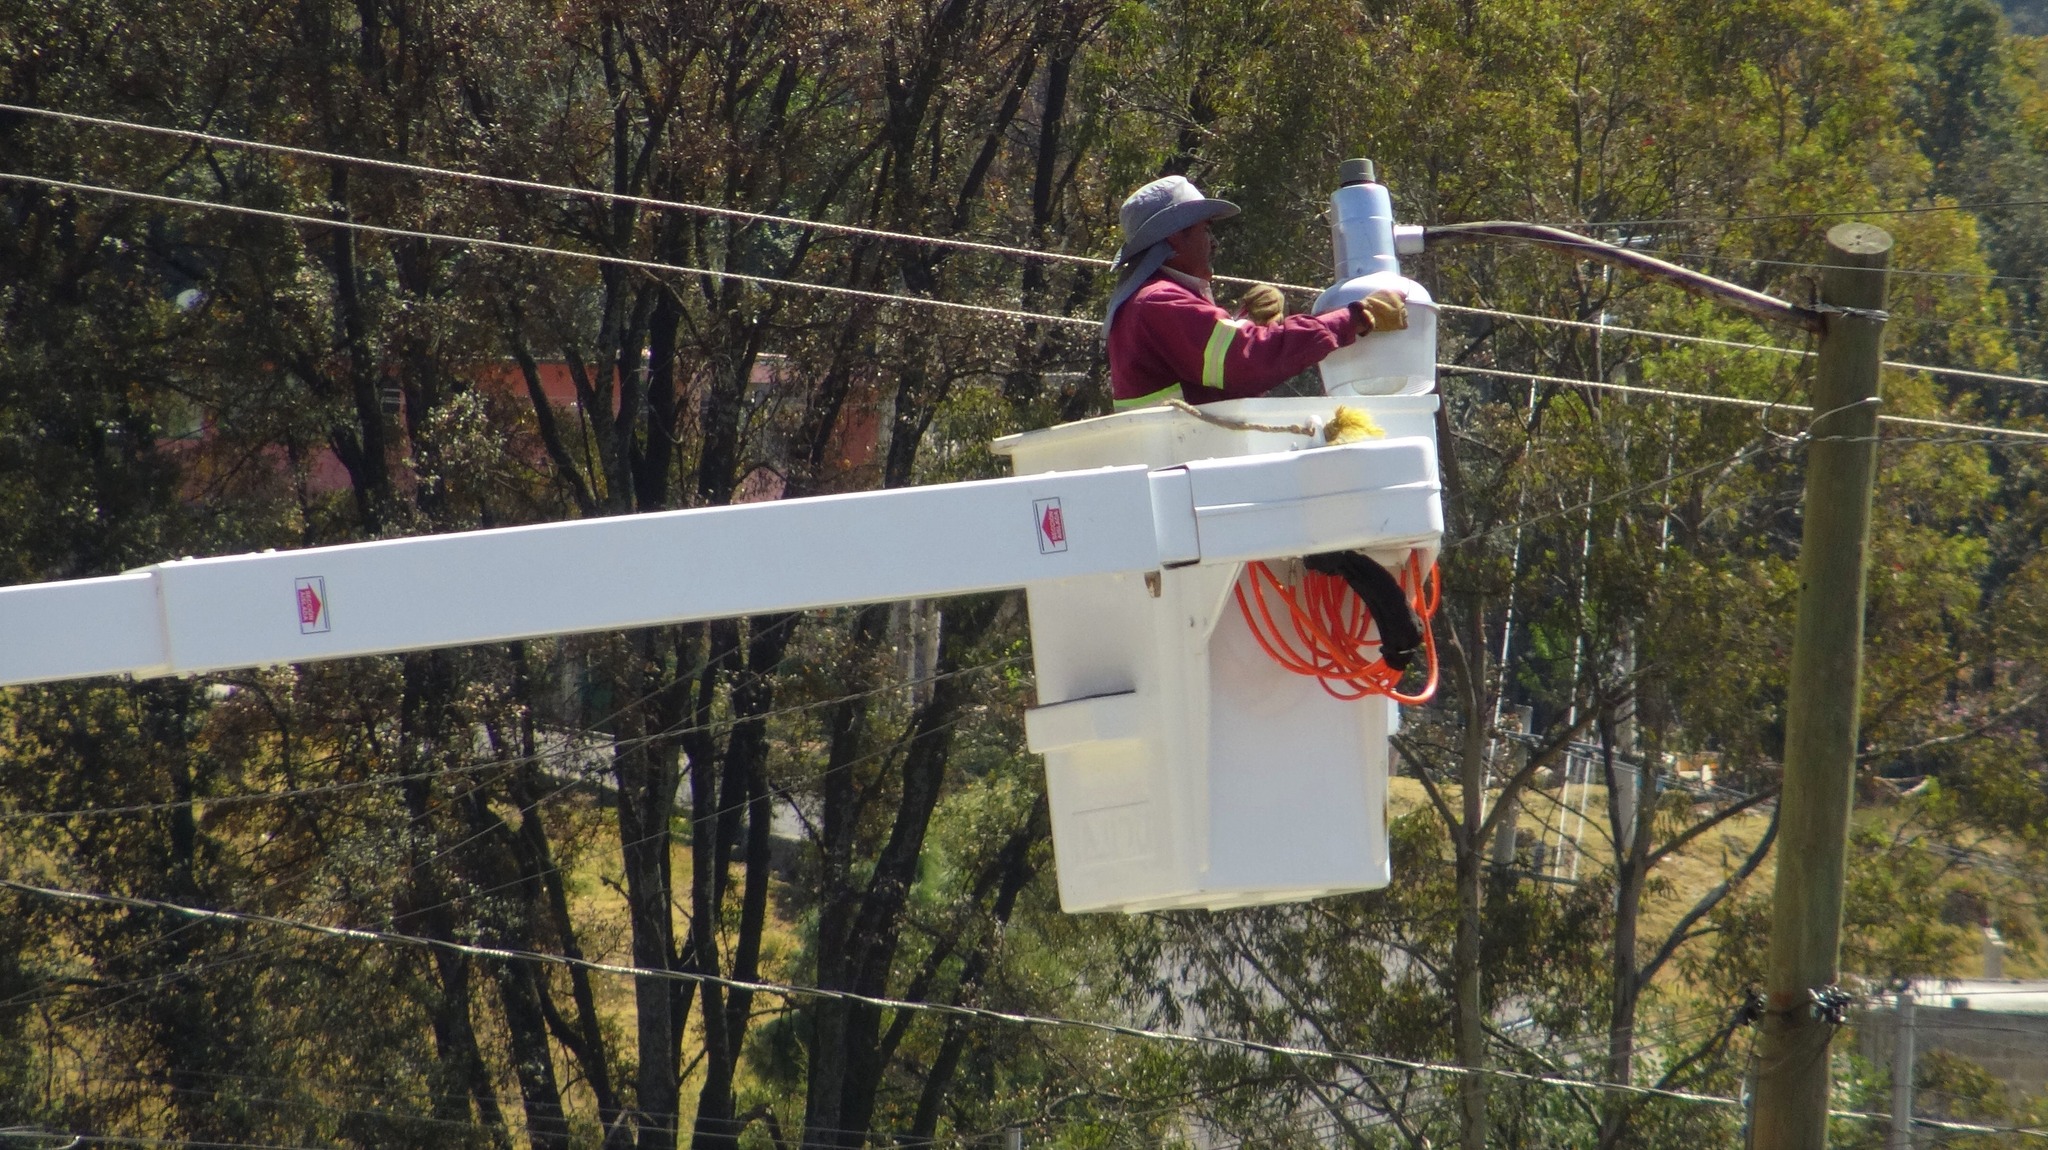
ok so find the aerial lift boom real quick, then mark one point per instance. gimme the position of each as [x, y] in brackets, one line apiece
[191, 616]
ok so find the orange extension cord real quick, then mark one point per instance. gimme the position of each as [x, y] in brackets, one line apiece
[1331, 625]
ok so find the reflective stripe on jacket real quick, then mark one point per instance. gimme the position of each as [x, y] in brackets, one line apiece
[1168, 339]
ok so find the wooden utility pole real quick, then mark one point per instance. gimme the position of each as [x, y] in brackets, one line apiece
[1790, 1102]
[1821, 703]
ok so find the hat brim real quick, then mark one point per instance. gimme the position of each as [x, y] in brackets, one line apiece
[1167, 221]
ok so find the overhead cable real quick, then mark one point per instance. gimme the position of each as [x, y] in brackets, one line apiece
[1619, 329]
[1707, 341]
[514, 184]
[1626, 493]
[1733, 401]
[1922, 273]
[535, 249]
[9, 1135]
[883, 297]
[505, 954]
[1561, 239]
[695, 819]
[1964, 373]
[1737, 345]
[785, 990]
[658, 834]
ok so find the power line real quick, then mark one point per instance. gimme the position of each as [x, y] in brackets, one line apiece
[885, 297]
[1711, 257]
[1626, 493]
[1922, 320]
[1701, 340]
[1732, 401]
[1964, 373]
[537, 249]
[971, 245]
[1001, 312]
[1778, 443]
[144, 1140]
[357, 934]
[1972, 325]
[41, 994]
[784, 990]
[67, 1140]
[696, 819]
[1618, 329]
[1924, 273]
[1624, 388]
[900, 237]
[514, 184]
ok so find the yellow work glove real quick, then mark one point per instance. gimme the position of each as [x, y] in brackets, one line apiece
[1262, 303]
[1383, 310]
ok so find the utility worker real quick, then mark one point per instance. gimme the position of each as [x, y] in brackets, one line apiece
[1167, 337]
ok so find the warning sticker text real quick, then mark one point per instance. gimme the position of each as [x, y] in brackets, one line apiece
[1052, 526]
[312, 593]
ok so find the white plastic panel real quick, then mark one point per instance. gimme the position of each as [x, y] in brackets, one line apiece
[1101, 719]
[1097, 622]
[1309, 794]
[79, 629]
[1173, 506]
[1379, 493]
[1119, 833]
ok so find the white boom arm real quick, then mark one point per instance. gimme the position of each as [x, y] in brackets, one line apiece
[198, 615]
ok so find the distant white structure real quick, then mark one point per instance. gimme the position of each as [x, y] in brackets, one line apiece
[2001, 1024]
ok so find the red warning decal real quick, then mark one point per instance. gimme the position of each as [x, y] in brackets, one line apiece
[1052, 526]
[312, 593]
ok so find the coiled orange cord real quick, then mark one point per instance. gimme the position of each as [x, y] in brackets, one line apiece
[1331, 625]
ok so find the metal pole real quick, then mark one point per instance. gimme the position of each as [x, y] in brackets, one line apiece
[1902, 1072]
[1822, 697]
[1013, 1138]
[1504, 833]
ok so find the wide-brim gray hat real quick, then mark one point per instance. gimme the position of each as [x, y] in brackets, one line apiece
[1163, 207]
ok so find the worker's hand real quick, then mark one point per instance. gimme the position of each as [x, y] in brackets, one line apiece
[1262, 303]
[1383, 310]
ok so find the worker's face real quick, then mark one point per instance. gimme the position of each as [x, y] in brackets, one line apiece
[1193, 249]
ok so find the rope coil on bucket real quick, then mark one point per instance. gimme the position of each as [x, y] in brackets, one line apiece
[1333, 636]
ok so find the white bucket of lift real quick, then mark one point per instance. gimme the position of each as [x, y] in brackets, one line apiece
[1184, 767]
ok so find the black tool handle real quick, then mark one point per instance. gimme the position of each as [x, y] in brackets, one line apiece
[1400, 628]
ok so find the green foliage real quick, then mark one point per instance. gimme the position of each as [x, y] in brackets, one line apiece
[178, 381]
